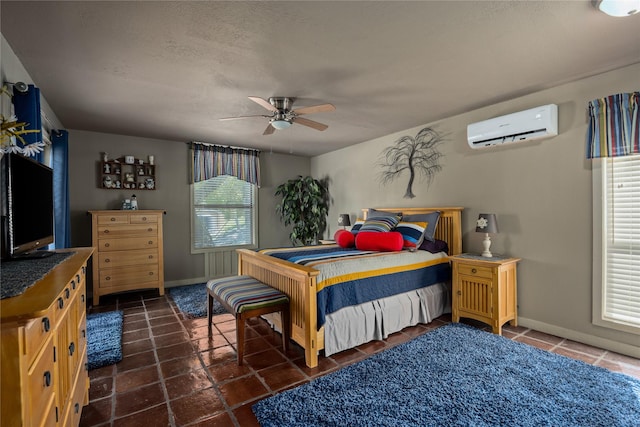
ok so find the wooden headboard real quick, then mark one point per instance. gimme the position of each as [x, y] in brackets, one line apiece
[449, 226]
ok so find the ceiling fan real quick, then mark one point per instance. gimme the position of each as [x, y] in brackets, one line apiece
[282, 116]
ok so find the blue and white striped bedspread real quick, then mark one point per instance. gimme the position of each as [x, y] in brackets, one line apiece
[350, 277]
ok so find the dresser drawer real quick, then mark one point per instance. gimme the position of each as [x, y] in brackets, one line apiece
[41, 382]
[474, 270]
[123, 276]
[131, 230]
[36, 331]
[143, 219]
[113, 219]
[105, 245]
[121, 259]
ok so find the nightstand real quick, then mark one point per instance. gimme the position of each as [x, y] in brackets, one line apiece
[485, 289]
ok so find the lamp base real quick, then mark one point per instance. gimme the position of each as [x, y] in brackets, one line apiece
[487, 244]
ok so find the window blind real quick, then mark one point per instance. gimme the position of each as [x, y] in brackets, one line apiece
[223, 213]
[621, 291]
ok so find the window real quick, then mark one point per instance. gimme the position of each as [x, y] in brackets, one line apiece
[224, 214]
[616, 295]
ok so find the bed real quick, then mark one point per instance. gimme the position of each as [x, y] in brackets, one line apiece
[341, 328]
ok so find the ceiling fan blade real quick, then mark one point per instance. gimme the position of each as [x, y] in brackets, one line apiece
[310, 123]
[315, 109]
[269, 130]
[264, 103]
[242, 117]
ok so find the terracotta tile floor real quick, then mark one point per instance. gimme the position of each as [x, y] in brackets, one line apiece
[172, 374]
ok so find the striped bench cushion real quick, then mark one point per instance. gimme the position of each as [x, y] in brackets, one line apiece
[244, 293]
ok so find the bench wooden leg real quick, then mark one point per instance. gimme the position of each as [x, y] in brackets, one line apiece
[240, 336]
[210, 312]
[286, 328]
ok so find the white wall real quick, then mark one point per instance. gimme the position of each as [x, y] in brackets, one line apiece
[540, 191]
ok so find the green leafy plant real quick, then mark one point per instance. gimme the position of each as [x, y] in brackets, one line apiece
[305, 204]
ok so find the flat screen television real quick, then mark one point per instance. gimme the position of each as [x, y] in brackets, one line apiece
[27, 207]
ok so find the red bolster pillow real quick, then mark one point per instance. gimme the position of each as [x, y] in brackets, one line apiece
[379, 241]
[344, 239]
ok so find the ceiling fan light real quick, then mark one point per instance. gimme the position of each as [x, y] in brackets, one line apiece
[619, 7]
[280, 124]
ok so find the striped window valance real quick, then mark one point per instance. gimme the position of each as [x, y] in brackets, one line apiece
[614, 126]
[210, 161]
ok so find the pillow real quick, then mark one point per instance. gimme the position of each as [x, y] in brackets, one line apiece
[381, 223]
[344, 239]
[376, 241]
[431, 219]
[357, 225]
[412, 233]
[374, 212]
[435, 246]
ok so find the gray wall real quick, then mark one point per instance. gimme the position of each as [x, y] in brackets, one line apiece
[172, 194]
[541, 192]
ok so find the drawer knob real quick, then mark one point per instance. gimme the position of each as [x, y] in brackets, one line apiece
[107, 260]
[46, 324]
[78, 278]
[60, 303]
[474, 271]
[73, 284]
[47, 379]
[113, 219]
[67, 293]
[84, 333]
[107, 278]
[151, 273]
[149, 229]
[106, 231]
[106, 245]
[82, 298]
[76, 407]
[151, 242]
[72, 349]
[459, 292]
[150, 256]
[144, 218]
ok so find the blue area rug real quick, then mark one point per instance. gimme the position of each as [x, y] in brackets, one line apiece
[460, 376]
[192, 300]
[104, 338]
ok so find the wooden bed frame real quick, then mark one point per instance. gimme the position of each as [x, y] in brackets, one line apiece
[299, 282]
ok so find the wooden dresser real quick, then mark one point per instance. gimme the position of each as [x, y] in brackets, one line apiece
[43, 373]
[129, 251]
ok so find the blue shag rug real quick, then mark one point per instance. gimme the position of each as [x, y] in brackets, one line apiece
[192, 300]
[457, 375]
[104, 338]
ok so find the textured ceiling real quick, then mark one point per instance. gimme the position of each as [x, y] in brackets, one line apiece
[170, 70]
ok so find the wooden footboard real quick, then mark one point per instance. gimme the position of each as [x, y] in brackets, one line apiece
[300, 282]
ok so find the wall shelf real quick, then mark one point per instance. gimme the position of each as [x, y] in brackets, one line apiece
[117, 174]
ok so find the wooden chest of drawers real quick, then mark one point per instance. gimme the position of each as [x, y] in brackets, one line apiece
[129, 251]
[43, 374]
[485, 289]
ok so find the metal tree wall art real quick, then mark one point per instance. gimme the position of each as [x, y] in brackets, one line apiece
[415, 155]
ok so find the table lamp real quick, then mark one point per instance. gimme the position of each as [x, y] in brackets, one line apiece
[344, 221]
[487, 223]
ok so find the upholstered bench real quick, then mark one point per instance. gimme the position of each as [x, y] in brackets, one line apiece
[246, 297]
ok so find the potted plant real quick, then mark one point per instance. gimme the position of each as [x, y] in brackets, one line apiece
[305, 204]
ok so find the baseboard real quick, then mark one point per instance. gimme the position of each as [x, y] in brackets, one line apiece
[618, 347]
[174, 283]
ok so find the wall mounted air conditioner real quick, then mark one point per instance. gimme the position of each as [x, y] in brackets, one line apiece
[535, 123]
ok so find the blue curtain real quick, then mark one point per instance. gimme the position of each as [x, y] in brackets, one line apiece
[27, 109]
[213, 160]
[614, 126]
[60, 166]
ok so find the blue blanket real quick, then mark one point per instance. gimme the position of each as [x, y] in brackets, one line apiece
[351, 277]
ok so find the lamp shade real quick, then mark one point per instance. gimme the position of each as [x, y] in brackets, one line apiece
[344, 220]
[487, 223]
[280, 124]
[619, 7]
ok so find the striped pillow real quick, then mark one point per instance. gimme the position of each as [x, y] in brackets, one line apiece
[412, 233]
[357, 225]
[382, 223]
